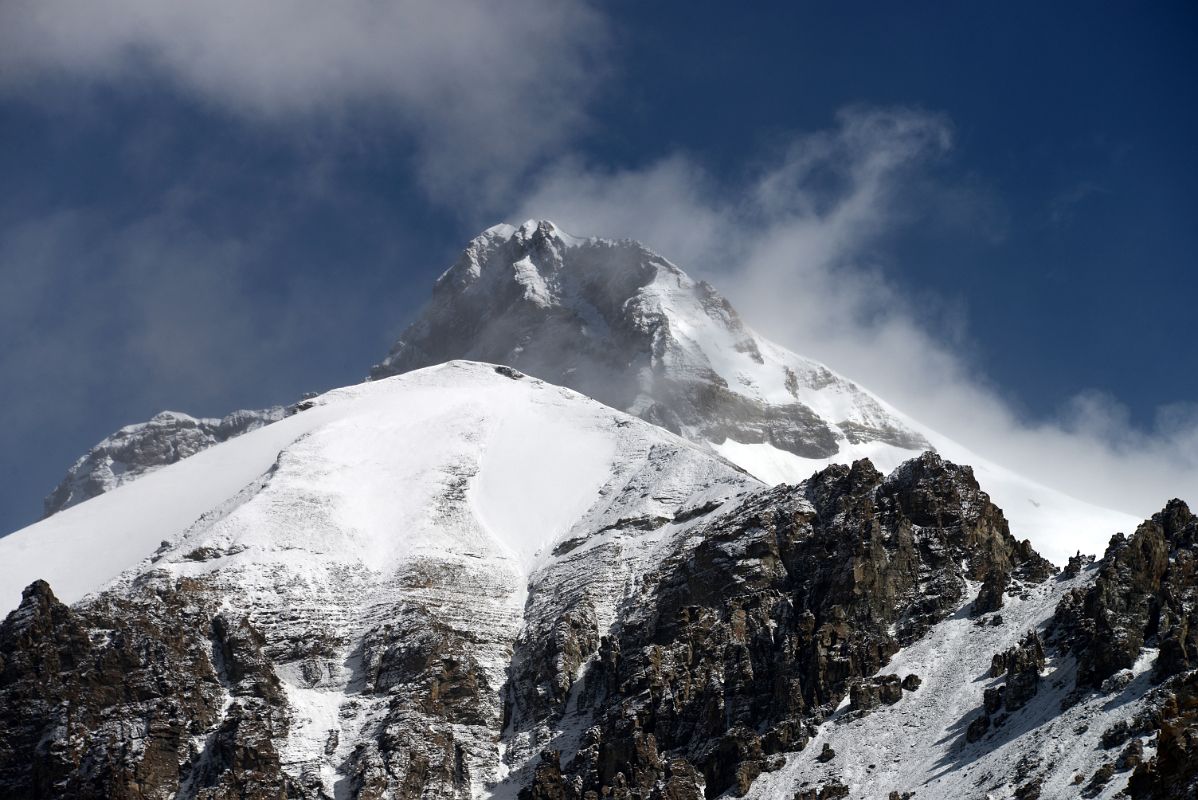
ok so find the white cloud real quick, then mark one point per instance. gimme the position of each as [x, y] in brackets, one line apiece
[794, 248]
[482, 88]
[487, 94]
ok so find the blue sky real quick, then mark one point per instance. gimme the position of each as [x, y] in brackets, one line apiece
[985, 213]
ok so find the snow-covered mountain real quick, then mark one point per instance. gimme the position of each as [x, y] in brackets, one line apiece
[464, 582]
[659, 580]
[441, 510]
[550, 470]
[620, 323]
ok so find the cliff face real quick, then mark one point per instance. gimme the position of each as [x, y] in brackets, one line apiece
[145, 694]
[1145, 594]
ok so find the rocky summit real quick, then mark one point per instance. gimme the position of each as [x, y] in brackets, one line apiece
[585, 535]
[620, 323]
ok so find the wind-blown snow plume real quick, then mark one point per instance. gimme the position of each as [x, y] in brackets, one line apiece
[794, 247]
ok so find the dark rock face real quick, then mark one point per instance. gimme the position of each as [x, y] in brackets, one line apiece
[1172, 773]
[1029, 790]
[1145, 593]
[829, 791]
[123, 699]
[436, 688]
[1102, 776]
[710, 409]
[1146, 587]
[990, 595]
[543, 667]
[872, 692]
[737, 648]
[1024, 663]
[978, 728]
[1076, 564]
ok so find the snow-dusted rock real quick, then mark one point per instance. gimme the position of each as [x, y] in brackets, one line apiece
[138, 449]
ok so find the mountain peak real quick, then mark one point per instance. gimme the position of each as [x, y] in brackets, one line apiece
[618, 322]
[540, 230]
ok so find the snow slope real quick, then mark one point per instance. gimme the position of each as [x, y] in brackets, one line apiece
[137, 450]
[543, 471]
[82, 547]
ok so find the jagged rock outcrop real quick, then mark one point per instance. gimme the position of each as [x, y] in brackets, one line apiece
[1021, 665]
[1141, 603]
[735, 650]
[989, 597]
[1146, 589]
[136, 450]
[1024, 664]
[1145, 593]
[870, 693]
[139, 696]
[435, 690]
[1172, 772]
